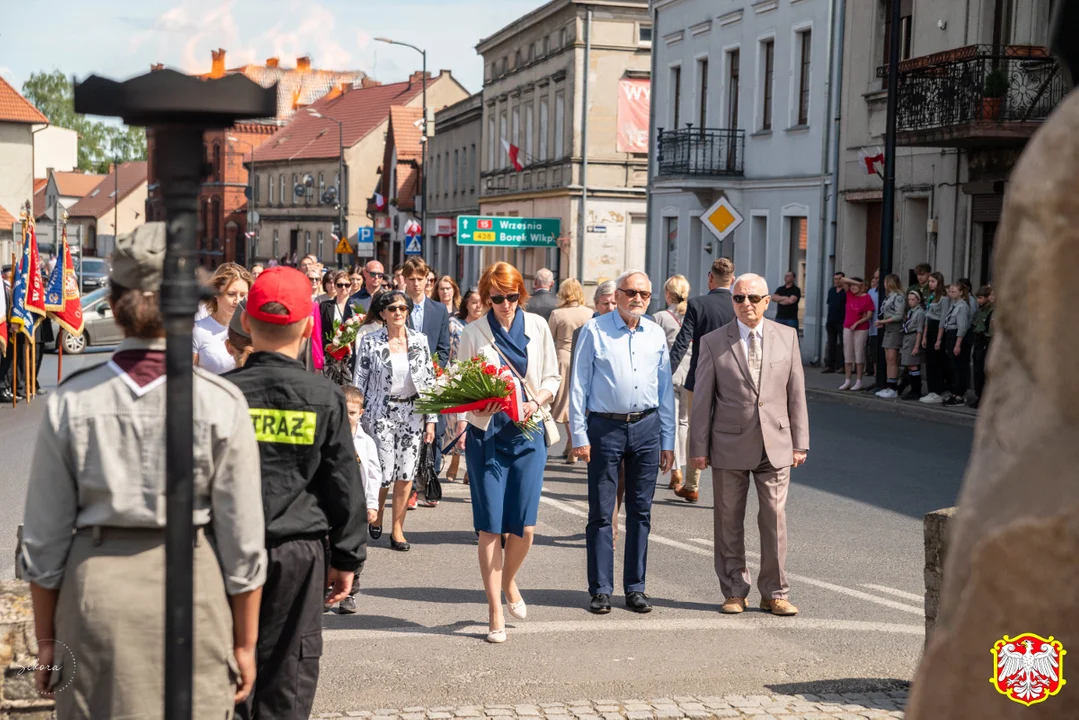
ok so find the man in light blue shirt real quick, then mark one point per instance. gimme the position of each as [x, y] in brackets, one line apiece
[622, 411]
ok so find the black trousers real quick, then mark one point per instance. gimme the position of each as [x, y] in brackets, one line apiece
[935, 361]
[5, 364]
[290, 632]
[833, 350]
[979, 351]
[960, 364]
[17, 359]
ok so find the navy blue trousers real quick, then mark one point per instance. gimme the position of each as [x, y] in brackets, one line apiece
[638, 446]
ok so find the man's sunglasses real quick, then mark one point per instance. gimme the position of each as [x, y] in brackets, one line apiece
[375, 275]
[755, 299]
[645, 294]
[499, 299]
[397, 308]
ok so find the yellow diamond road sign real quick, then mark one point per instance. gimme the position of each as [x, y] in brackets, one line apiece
[722, 218]
[343, 248]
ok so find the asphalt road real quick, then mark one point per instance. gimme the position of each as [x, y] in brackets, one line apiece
[855, 565]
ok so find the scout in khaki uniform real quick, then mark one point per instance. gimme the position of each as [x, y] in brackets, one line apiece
[94, 537]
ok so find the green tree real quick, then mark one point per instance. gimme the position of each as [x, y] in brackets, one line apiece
[100, 143]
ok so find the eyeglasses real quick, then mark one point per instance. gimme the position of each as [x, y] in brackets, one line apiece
[499, 299]
[397, 308]
[755, 299]
[645, 294]
[344, 285]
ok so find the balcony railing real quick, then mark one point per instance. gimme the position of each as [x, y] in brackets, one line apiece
[701, 151]
[979, 92]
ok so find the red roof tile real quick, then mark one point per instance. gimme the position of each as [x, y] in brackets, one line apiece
[17, 109]
[76, 184]
[100, 201]
[360, 111]
[6, 218]
[406, 133]
[39, 196]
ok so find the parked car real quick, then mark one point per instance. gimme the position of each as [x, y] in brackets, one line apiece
[95, 274]
[99, 327]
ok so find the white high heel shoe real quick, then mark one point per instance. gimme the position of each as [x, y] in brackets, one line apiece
[497, 636]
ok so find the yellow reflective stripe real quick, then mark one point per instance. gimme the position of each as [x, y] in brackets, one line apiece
[289, 427]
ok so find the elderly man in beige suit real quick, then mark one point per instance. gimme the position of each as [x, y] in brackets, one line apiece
[750, 418]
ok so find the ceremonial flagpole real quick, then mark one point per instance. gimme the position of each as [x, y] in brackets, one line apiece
[14, 343]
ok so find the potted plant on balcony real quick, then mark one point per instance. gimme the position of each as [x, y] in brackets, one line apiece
[996, 87]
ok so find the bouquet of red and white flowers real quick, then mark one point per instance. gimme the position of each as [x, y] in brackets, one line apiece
[344, 336]
[471, 385]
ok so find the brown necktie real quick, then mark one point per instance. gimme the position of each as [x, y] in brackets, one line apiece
[755, 359]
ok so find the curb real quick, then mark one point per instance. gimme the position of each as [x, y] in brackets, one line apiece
[900, 407]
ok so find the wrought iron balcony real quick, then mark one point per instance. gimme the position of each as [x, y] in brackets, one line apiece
[701, 151]
[976, 95]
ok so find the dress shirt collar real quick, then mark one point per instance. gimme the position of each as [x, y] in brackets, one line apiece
[621, 324]
[745, 331]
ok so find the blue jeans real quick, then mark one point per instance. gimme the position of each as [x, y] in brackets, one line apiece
[638, 446]
[793, 322]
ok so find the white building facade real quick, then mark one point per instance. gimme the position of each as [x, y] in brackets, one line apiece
[740, 109]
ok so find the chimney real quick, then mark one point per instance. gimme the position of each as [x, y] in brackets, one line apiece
[218, 68]
[417, 77]
[303, 64]
[157, 66]
[271, 62]
[368, 82]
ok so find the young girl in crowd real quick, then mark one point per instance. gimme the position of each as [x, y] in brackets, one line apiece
[891, 323]
[913, 326]
[952, 340]
[935, 362]
[231, 283]
[370, 472]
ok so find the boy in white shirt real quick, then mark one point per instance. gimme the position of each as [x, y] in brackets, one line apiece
[370, 471]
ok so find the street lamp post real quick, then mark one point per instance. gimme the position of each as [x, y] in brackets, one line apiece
[423, 139]
[252, 247]
[340, 177]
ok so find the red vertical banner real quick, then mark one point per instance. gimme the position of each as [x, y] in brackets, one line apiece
[634, 99]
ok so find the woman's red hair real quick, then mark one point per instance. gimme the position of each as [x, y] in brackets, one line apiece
[507, 277]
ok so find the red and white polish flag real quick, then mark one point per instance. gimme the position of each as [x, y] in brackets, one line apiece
[514, 153]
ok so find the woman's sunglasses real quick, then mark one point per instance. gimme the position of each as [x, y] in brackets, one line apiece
[499, 299]
[344, 285]
[397, 308]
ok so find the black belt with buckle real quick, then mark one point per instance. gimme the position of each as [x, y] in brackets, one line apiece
[629, 418]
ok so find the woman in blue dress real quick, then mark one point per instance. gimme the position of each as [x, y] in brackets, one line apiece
[505, 466]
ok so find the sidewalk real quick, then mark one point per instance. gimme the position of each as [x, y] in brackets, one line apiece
[826, 387]
[832, 706]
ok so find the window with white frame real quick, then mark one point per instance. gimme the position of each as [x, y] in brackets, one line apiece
[644, 35]
[446, 177]
[805, 44]
[544, 123]
[768, 68]
[270, 187]
[321, 187]
[702, 93]
[559, 124]
[275, 240]
[676, 96]
[456, 169]
[516, 126]
[472, 167]
[437, 173]
[503, 156]
[295, 182]
[529, 131]
[733, 62]
[307, 241]
[320, 244]
[281, 200]
[491, 142]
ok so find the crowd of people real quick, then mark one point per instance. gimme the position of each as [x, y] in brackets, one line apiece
[932, 330]
[328, 439]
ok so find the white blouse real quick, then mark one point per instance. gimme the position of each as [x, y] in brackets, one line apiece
[401, 385]
[208, 342]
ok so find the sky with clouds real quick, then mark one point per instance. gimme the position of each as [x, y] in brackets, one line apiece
[121, 38]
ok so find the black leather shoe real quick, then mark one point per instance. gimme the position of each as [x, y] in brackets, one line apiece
[6, 396]
[375, 531]
[399, 546]
[638, 602]
[600, 605]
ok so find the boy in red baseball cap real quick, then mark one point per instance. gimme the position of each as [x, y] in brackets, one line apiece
[311, 488]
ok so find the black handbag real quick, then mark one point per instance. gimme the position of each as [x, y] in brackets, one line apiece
[428, 480]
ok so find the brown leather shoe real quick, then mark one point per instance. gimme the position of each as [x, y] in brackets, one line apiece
[689, 496]
[676, 480]
[733, 605]
[778, 607]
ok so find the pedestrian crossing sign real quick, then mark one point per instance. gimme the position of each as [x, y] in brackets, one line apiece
[413, 245]
[722, 218]
[343, 248]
